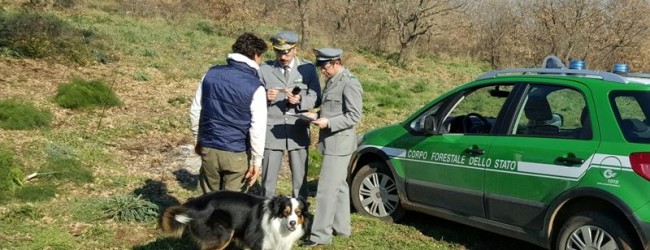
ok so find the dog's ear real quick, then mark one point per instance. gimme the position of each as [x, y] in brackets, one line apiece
[277, 205]
[305, 204]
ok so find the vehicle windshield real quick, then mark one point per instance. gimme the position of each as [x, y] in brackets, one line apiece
[632, 109]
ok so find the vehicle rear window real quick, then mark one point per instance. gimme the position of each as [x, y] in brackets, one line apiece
[632, 109]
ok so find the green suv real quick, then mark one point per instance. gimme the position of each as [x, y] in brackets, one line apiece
[554, 156]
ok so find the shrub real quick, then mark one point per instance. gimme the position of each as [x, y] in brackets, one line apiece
[129, 208]
[11, 175]
[41, 35]
[81, 93]
[19, 115]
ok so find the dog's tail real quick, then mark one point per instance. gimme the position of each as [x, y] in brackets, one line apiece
[173, 220]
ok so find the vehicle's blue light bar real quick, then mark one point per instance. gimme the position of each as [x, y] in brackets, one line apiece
[621, 68]
[577, 64]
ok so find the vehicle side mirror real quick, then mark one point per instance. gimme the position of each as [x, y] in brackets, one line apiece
[556, 120]
[430, 125]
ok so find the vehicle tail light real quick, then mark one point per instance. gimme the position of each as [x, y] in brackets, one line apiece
[641, 164]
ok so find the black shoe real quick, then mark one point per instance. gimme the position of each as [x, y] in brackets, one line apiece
[310, 243]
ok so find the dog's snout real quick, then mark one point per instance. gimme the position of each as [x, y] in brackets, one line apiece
[292, 223]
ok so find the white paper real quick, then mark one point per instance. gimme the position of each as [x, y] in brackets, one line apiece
[301, 116]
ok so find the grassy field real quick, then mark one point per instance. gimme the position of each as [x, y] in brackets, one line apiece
[141, 148]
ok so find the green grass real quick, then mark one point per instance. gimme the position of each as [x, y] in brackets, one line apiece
[62, 168]
[80, 93]
[22, 115]
[11, 175]
[36, 192]
[141, 76]
[87, 210]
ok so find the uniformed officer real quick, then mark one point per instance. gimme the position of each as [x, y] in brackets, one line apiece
[340, 112]
[292, 86]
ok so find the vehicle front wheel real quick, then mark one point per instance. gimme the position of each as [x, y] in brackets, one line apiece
[593, 230]
[374, 193]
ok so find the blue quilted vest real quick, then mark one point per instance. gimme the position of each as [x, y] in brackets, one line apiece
[227, 93]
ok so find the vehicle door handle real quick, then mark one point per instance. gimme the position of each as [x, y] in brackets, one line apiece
[570, 158]
[474, 150]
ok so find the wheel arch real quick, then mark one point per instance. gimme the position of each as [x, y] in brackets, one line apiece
[587, 199]
[365, 156]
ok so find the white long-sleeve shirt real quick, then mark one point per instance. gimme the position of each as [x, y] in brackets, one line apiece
[257, 131]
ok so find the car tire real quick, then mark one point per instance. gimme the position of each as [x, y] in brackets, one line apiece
[580, 231]
[374, 193]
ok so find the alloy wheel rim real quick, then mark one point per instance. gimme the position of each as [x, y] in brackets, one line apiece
[378, 195]
[591, 237]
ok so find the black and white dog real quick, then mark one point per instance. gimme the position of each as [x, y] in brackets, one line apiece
[216, 219]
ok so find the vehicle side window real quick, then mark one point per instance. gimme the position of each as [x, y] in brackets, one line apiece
[553, 111]
[477, 110]
[631, 109]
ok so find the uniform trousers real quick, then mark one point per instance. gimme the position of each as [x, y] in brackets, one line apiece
[271, 170]
[332, 200]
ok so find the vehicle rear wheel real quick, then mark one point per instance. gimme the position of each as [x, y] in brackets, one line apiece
[593, 230]
[374, 193]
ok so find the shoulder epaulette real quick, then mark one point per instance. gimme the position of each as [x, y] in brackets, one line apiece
[303, 61]
[350, 76]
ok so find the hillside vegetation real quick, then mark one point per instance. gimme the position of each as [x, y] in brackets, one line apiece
[97, 174]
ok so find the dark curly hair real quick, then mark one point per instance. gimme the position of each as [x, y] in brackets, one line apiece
[249, 45]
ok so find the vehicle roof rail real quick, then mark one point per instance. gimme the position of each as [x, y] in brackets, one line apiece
[591, 73]
[639, 75]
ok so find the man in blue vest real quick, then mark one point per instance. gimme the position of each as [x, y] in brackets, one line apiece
[228, 118]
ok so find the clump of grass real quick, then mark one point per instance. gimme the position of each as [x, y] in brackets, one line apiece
[51, 237]
[66, 168]
[80, 93]
[87, 209]
[150, 53]
[62, 164]
[398, 100]
[11, 175]
[33, 193]
[20, 213]
[19, 115]
[42, 35]
[314, 163]
[141, 76]
[178, 101]
[419, 87]
[207, 27]
[129, 208]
